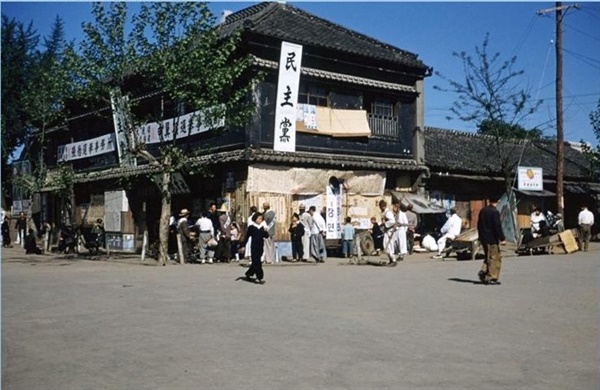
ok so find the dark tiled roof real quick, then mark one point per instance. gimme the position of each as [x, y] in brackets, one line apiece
[265, 156]
[289, 23]
[462, 152]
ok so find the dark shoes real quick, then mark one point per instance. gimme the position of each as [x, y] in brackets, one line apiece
[481, 275]
[492, 282]
[392, 263]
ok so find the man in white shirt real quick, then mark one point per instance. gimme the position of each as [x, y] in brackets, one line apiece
[205, 233]
[307, 220]
[390, 233]
[317, 236]
[537, 220]
[402, 223]
[585, 221]
[450, 230]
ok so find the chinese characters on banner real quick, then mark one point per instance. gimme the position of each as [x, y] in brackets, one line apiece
[185, 125]
[287, 97]
[88, 148]
[530, 179]
[334, 212]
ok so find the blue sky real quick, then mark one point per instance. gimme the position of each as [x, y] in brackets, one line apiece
[434, 31]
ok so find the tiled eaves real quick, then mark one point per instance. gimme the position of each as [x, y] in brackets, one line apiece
[465, 152]
[286, 22]
[264, 156]
[327, 75]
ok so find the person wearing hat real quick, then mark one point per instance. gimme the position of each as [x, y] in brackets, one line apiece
[270, 219]
[450, 231]
[306, 220]
[183, 231]
[224, 248]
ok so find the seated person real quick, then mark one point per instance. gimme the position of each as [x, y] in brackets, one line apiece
[538, 223]
[31, 244]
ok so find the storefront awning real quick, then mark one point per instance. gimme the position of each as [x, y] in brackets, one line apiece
[419, 203]
[543, 193]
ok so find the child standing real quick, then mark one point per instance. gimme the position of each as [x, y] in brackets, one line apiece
[257, 233]
[297, 232]
[234, 230]
[347, 237]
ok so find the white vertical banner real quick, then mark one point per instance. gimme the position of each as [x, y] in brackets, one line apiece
[334, 212]
[284, 138]
[119, 105]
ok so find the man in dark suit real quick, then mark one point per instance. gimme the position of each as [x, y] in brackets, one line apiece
[491, 236]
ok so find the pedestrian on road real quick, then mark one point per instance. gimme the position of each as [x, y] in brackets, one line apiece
[270, 219]
[205, 234]
[491, 235]
[585, 220]
[249, 222]
[184, 236]
[348, 238]
[307, 220]
[318, 250]
[377, 235]
[296, 233]
[6, 232]
[21, 226]
[257, 232]
[390, 241]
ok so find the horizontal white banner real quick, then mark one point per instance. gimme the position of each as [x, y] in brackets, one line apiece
[88, 148]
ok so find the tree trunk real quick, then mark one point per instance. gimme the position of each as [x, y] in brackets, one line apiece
[165, 213]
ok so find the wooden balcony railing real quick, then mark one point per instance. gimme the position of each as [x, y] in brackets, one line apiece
[384, 126]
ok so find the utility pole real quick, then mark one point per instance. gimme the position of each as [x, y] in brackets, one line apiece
[560, 143]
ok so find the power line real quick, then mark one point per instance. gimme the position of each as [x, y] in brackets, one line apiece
[582, 32]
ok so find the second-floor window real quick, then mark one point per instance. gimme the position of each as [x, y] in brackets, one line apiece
[312, 94]
[383, 107]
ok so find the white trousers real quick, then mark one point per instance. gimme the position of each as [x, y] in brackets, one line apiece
[442, 242]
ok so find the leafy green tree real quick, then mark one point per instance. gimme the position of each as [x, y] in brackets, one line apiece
[18, 50]
[47, 89]
[491, 97]
[176, 49]
[591, 153]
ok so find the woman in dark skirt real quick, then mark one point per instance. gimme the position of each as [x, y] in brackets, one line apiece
[258, 233]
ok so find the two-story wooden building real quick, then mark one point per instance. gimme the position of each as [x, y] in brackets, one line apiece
[358, 112]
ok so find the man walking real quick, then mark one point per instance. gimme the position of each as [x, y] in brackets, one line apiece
[490, 233]
[390, 240]
[585, 221]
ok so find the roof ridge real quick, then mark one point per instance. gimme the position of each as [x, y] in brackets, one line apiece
[351, 32]
[246, 12]
[475, 134]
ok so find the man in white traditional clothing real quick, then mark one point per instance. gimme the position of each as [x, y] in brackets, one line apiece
[390, 240]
